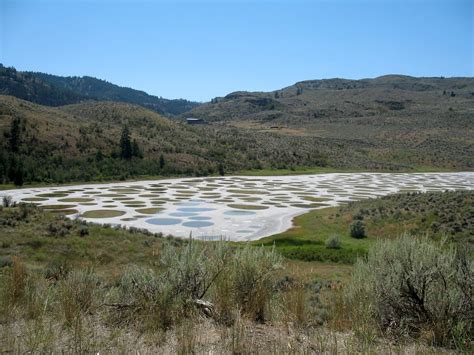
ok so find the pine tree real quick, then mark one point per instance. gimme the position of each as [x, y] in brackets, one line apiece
[162, 161]
[136, 152]
[15, 135]
[18, 175]
[221, 170]
[125, 144]
[98, 155]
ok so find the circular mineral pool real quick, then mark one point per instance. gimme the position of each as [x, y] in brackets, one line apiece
[195, 209]
[183, 214]
[238, 213]
[164, 221]
[200, 218]
[190, 203]
[198, 224]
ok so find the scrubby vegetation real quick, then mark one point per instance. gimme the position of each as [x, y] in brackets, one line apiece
[393, 120]
[438, 215]
[108, 289]
[411, 287]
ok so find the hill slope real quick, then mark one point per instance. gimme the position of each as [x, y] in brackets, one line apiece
[82, 142]
[102, 90]
[53, 90]
[398, 119]
[27, 87]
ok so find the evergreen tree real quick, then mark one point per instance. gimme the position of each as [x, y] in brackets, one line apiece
[98, 155]
[18, 175]
[136, 152]
[162, 161]
[125, 144]
[15, 135]
[221, 170]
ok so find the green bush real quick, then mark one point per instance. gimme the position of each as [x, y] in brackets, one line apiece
[413, 286]
[357, 229]
[334, 242]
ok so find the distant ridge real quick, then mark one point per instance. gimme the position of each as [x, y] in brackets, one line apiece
[54, 90]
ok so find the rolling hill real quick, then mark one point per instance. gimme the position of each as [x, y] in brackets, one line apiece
[394, 118]
[392, 123]
[81, 142]
[53, 90]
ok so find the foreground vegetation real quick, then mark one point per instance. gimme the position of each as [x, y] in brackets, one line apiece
[71, 286]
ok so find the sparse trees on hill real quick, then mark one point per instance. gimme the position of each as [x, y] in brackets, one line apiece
[129, 148]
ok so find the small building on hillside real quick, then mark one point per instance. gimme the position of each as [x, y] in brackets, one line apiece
[194, 120]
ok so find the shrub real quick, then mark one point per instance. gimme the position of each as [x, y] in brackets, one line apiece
[7, 201]
[412, 286]
[253, 279]
[240, 279]
[83, 230]
[57, 269]
[164, 299]
[18, 279]
[5, 261]
[59, 227]
[78, 293]
[357, 229]
[333, 242]
[193, 268]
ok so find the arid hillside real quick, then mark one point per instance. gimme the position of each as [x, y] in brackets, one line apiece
[407, 120]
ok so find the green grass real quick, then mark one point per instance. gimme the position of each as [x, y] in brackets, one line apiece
[306, 240]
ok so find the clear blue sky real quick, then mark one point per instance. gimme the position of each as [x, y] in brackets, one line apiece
[202, 49]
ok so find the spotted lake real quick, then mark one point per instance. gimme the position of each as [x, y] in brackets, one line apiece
[233, 207]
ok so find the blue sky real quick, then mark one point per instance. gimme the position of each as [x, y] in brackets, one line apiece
[202, 49]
